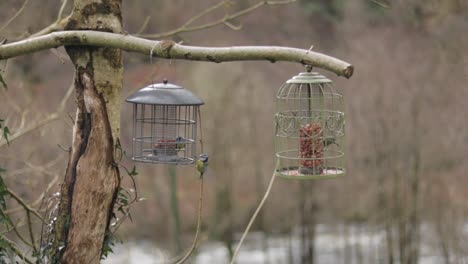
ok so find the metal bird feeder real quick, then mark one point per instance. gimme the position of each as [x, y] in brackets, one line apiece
[309, 128]
[164, 124]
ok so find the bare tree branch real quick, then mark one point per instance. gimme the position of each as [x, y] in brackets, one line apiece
[15, 15]
[23, 130]
[56, 26]
[25, 205]
[17, 251]
[225, 20]
[31, 232]
[39, 199]
[144, 25]
[60, 13]
[171, 50]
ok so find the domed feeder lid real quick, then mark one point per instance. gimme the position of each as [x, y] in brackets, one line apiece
[164, 94]
[309, 77]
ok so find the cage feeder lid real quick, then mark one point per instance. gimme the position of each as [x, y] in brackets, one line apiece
[164, 94]
[309, 77]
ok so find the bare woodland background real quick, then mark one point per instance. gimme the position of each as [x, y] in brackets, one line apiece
[407, 129]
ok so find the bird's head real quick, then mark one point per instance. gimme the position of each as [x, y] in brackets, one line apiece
[179, 139]
[203, 157]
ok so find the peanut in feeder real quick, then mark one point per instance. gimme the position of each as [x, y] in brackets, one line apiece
[309, 128]
[165, 119]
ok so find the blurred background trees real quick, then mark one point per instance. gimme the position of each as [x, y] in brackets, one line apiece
[406, 127]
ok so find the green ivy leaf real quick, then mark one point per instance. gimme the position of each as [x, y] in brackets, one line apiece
[3, 192]
[4, 219]
[133, 172]
[5, 86]
[6, 132]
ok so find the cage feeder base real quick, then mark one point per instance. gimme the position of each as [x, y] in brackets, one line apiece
[164, 159]
[298, 174]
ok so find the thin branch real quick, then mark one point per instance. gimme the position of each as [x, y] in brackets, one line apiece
[186, 27]
[188, 23]
[56, 26]
[51, 117]
[254, 216]
[14, 228]
[384, 5]
[144, 25]
[17, 251]
[45, 169]
[193, 247]
[232, 26]
[170, 50]
[31, 232]
[25, 205]
[205, 12]
[15, 15]
[39, 199]
[60, 13]
[30, 128]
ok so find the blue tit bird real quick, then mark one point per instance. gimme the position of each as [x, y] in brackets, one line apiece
[202, 164]
[180, 143]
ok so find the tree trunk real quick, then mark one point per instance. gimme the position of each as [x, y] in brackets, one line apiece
[92, 179]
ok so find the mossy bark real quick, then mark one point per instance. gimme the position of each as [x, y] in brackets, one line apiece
[92, 180]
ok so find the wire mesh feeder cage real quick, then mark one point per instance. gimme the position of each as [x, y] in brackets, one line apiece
[165, 118]
[309, 128]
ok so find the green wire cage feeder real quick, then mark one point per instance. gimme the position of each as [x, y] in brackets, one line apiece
[165, 119]
[309, 128]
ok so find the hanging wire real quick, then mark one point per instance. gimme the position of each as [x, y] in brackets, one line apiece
[201, 130]
[194, 245]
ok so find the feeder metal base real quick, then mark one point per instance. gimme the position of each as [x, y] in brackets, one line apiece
[295, 174]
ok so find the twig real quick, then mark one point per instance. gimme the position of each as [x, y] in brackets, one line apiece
[30, 229]
[384, 5]
[186, 27]
[18, 252]
[31, 167]
[59, 23]
[51, 117]
[254, 216]
[17, 233]
[232, 26]
[193, 247]
[60, 13]
[39, 199]
[25, 205]
[15, 15]
[197, 232]
[205, 12]
[58, 55]
[56, 26]
[144, 25]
